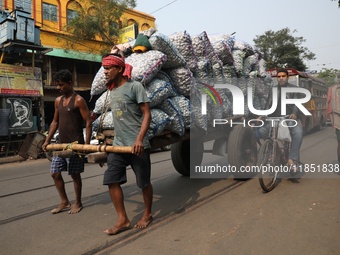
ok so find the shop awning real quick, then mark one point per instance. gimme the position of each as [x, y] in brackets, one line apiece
[39, 48]
[61, 53]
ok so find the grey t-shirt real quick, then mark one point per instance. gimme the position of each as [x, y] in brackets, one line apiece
[126, 113]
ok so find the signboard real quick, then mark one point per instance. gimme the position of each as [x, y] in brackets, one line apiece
[128, 33]
[20, 118]
[20, 80]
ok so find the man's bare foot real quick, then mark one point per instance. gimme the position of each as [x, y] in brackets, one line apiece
[144, 222]
[61, 207]
[76, 209]
[117, 229]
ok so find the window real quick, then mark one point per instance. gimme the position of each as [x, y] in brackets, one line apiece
[50, 12]
[71, 14]
[73, 10]
[131, 22]
[24, 5]
[145, 26]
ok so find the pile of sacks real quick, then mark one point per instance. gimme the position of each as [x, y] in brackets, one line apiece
[177, 69]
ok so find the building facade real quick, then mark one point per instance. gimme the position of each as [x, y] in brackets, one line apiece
[52, 17]
[83, 57]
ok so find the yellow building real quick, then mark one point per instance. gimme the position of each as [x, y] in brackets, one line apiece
[81, 57]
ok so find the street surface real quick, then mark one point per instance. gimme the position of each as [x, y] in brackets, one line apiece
[192, 216]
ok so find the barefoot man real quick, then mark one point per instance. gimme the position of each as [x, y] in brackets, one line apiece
[131, 119]
[70, 114]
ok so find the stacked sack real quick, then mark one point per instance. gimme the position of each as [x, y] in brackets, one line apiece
[177, 70]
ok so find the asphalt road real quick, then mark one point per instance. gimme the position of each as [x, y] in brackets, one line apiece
[192, 216]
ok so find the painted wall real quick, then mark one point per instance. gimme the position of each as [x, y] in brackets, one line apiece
[53, 33]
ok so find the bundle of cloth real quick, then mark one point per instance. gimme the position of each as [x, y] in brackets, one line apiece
[179, 70]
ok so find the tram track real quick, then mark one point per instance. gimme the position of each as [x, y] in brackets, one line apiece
[126, 238]
[52, 185]
[42, 187]
[21, 177]
[316, 140]
[47, 209]
[37, 212]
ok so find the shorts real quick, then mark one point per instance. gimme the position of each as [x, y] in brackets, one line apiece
[337, 132]
[117, 163]
[73, 165]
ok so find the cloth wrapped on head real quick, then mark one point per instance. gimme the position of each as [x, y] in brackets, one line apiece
[115, 60]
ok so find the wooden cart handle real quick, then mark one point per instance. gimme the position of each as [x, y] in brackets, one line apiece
[88, 148]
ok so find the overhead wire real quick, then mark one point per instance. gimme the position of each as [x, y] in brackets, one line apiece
[164, 6]
[161, 8]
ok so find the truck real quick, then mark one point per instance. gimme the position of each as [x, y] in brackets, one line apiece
[237, 143]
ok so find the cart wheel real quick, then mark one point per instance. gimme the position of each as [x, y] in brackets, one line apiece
[180, 156]
[242, 150]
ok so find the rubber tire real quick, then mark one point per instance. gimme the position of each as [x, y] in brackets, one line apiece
[180, 156]
[262, 160]
[242, 150]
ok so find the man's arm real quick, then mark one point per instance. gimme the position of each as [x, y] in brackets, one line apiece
[138, 146]
[85, 113]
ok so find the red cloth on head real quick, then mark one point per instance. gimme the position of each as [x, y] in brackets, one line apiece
[112, 60]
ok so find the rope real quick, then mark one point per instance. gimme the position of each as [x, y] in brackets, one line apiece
[68, 147]
[104, 111]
